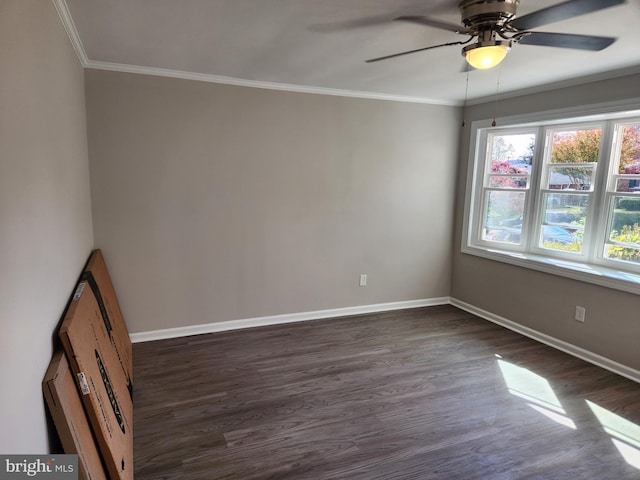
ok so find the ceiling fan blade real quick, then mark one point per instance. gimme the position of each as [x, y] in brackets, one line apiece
[562, 11]
[431, 22]
[371, 60]
[565, 40]
[371, 21]
[433, 6]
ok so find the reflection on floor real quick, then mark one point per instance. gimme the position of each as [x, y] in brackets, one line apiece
[625, 434]
[539, 395]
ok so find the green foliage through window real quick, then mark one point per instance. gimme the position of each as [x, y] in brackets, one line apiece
[630, 236]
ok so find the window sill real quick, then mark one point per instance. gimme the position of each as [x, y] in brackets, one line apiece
[595, 274]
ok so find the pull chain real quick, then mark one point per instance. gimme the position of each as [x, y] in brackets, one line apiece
[495, 104]
[466, 91]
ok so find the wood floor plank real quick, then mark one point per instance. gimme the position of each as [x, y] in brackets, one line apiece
[427, 393]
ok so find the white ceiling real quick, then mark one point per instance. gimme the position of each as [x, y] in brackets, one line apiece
[316, 45]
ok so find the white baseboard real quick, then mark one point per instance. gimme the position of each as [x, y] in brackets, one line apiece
[279, 319]
[223, 326]
[566, 347]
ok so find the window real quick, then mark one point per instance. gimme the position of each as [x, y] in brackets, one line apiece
[562, 196]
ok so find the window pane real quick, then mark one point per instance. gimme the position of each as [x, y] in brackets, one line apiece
[630, 149]
[570, 178]
[511, 153]
[503, 216]
[629, 184]
[624, 233]
[564, 217]
[513, 181]
[576, 146]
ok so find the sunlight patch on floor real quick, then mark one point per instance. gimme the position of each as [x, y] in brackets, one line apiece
[625, 434]
[530, 386]
[556, 417]
[536, 390]
[630, 454]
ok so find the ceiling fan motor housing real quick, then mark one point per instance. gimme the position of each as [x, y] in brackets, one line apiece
[487, 14]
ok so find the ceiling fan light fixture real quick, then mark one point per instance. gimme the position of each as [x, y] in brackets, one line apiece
[485, 55]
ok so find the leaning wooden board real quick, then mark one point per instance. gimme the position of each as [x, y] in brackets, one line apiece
[97, 276]
[72, 425]
[89, 340]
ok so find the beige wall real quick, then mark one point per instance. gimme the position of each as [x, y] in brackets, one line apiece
[541, 301]
[45, 210]
[214, 202]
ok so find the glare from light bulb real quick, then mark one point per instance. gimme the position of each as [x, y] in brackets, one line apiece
[487, 57]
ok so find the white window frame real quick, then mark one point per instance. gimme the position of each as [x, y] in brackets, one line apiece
[594, 193]
[479, 208]
[590, 265]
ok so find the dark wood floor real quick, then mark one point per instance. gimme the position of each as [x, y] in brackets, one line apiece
[429, 393]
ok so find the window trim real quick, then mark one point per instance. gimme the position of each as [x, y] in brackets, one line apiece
[600, 271]
[594, 193]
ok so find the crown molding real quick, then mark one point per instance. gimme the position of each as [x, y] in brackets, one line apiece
[547, 87]
[240, 82]
[74, 37]
[76, 42]
[72, 32]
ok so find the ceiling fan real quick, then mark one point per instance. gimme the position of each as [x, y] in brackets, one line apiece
[494, 26]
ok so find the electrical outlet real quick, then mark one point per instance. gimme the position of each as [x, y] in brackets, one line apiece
[580, 313]
[363, 280]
